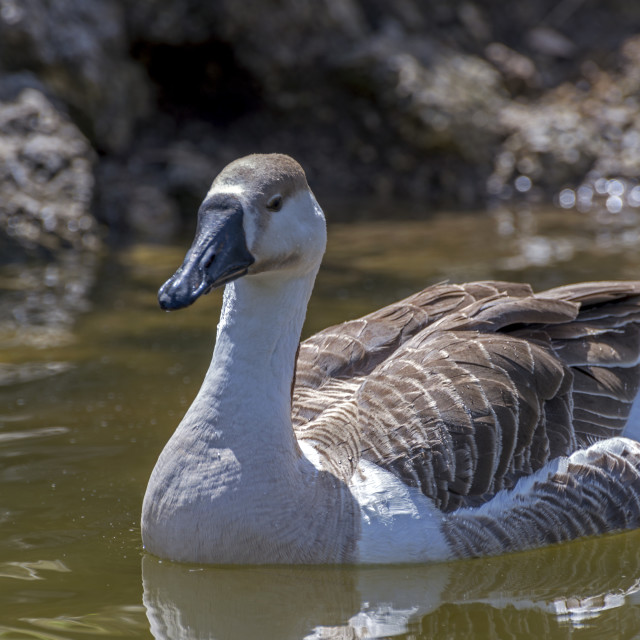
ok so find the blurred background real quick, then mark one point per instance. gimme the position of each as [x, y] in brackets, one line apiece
[116, 115]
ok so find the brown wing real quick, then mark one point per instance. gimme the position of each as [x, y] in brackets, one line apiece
[332, 362]
[479, 396]
[602, 350]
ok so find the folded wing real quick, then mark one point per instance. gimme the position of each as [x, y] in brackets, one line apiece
[462, 390]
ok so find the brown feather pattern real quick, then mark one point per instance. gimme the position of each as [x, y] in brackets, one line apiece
[596, 493]
[461, 390]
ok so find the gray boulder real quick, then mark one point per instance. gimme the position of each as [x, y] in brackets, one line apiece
[46, 181]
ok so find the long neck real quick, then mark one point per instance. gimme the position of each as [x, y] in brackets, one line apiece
[247, 389]
[232, 480]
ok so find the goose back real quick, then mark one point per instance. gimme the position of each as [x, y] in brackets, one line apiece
[460, 390]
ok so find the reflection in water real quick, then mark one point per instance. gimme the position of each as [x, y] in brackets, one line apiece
[552, 237]
[13, 436]
[576, 586]
[111, 622]
[40, 302]
[11, 374]
[31, 570]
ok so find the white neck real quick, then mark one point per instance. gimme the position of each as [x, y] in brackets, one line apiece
[232, 484]
[247, 389]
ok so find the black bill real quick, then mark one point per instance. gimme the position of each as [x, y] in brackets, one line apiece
[218, 254]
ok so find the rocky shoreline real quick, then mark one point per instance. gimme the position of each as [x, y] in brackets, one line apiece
[120, 113]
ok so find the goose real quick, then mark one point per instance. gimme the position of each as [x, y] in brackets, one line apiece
[466, 420]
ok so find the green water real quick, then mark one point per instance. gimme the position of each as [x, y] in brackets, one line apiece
[88, 399]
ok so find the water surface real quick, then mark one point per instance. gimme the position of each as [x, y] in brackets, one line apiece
[91, 390]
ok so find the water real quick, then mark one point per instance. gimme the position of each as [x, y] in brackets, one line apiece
[91, 390]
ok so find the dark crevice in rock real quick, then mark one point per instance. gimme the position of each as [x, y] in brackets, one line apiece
[201, 81]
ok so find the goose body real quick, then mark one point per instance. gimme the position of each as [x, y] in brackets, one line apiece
[465, 420]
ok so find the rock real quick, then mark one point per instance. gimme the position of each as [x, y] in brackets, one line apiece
[435, 98]
[80, 51]
[518, 71]
[48, 235]
[364, 94]
[577, 134]
[550, 42]
[443, 103]
[46, 181]
[145, 196]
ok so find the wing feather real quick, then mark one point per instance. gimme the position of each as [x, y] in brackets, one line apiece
[460, 390]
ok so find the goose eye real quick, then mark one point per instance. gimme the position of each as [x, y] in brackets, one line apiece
[275, 203]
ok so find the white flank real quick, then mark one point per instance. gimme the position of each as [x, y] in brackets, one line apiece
[399, 524]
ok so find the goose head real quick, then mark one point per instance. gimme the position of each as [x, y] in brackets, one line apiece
[258, 218]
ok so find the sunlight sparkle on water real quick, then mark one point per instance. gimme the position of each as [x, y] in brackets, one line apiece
[567, 198]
